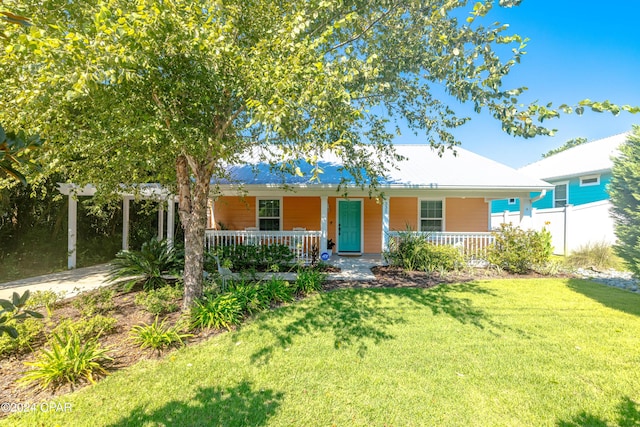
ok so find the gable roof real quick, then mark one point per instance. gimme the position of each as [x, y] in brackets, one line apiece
[422, 169]
[589, 158]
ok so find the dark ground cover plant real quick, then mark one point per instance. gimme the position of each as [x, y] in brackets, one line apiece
[519, 251]
[13, 311]
[252, 257]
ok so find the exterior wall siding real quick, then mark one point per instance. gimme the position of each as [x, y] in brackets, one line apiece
[372, 225]
[403, 213]
[466, 214]
[235, 213]
[301, 212]
[578, 195]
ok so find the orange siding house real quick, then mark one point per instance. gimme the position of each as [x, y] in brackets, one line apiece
[426, 193]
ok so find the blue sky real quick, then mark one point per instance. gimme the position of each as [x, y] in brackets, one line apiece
[577, 49]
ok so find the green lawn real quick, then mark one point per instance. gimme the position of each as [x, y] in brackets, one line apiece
[505, 352]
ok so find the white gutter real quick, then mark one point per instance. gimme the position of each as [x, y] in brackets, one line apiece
[542, 194]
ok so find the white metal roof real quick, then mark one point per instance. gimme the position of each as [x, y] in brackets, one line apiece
[584, 159]
[422, 169]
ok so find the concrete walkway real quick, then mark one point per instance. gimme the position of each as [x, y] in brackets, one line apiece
[72, 282]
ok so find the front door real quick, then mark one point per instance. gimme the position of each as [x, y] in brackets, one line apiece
[350, 226]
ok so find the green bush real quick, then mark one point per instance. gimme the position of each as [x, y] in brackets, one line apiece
[309, 280]
[87, 328]
[277, 290]
[217, 312]
[519, 251]
[250, 297]
[593, 255]
[28, 331]
[149, 266]
[160, 301]
[157, 336]
[68, 361]
[47, 299]
[251, 257]
[97, 301]
[414, 252]
[12, 311]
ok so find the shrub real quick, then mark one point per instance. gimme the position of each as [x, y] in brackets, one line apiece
[87, 328]
[68, 361]
[149, 266]
[217, 312]
[517, 250]
[28, 332]
[252, 257]
[308, 281]
[157, 336]
[98, 301]
[47, 299]
[413, 251]
[277, 290]
[597, 255]
[13, 312]
[160, 301]
[250, 297]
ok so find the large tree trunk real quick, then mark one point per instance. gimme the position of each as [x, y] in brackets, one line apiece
[192, 207]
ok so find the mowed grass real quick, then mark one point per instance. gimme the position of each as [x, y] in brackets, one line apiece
[529, 352]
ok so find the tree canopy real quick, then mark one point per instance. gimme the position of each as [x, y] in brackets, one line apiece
[175, 91]
[574, 142]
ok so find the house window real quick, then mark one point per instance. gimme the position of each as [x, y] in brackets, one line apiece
[560, 195]
[589, 180]
[431, 215]
[512, 201]
[269, 215]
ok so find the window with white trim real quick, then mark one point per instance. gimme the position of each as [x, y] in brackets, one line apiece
[585, 181]
[269, 214]
[431, 215]
[512, 201]
[560, 195]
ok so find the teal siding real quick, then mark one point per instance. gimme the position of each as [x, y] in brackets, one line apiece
[577, 195]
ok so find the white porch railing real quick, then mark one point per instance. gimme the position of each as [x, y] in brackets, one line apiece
[301, 243]
[472, 245]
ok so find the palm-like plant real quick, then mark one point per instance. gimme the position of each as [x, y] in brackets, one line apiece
[13, 148]
[151, 266]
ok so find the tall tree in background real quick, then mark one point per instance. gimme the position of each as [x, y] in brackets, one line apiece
[574, 142]
[175, 91]
[625, 196]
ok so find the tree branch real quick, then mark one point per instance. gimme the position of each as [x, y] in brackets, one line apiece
[367, 28]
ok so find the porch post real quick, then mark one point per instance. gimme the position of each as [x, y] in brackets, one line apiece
[72, 230]
[324, 209]
[125, 223]
[385, 224]
[161, 221]
[171, 209]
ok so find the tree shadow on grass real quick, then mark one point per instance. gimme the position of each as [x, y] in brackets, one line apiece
[628, 412]
[212, 406]
[360, 317]
[617, 299]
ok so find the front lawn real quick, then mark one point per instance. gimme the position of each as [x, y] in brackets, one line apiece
[503, 352]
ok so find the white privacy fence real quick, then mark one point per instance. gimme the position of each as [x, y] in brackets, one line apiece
[472, 245]
[301, 243]
[570, 226]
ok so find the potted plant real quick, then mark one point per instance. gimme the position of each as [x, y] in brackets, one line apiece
[330, 246]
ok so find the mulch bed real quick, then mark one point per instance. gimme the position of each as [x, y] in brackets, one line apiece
[128, 314]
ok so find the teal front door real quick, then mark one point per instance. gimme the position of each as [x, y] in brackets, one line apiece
[349, 226]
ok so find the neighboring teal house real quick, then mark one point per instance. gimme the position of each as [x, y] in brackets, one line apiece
[580, 176]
